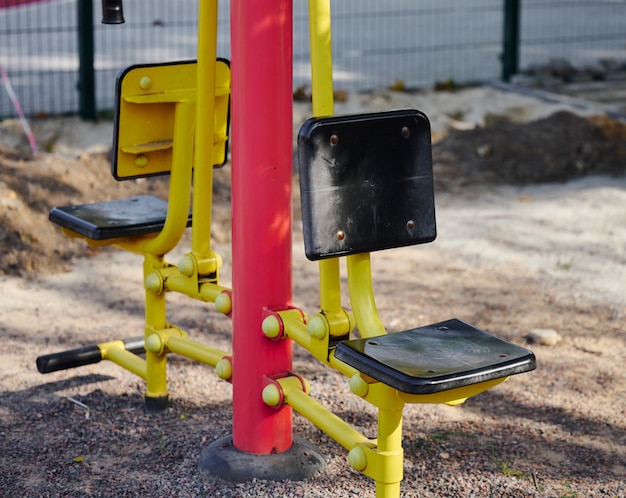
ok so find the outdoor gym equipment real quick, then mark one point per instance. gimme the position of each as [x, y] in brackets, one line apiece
[366, 185]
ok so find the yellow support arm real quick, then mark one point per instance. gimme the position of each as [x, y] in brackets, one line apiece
[323, 105]
[116, 352]
[320, 416]
[180, 185]
[321, 57]
[362, 296]
[203, 159]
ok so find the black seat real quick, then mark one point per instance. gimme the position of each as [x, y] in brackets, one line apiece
[366, 184]
[133, 216]
[435, 358]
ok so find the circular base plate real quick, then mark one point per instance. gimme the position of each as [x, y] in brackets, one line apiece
[222, 460]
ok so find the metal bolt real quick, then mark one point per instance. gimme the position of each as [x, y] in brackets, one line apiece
[340, 235]
[334, 139]
[145, 82]
[410, 225]
[406, 132]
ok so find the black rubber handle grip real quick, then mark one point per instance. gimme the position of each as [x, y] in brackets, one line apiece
[69, 359]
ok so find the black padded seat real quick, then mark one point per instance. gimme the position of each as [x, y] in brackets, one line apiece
[130, 217]
[435, 358]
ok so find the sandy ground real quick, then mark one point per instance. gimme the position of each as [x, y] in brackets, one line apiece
[508, 258]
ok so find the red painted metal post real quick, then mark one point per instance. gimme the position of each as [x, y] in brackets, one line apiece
[261, 58]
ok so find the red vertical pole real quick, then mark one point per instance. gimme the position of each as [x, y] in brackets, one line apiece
[261, 57]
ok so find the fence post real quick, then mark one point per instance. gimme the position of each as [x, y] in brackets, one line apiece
[86, 75]
[510, 49]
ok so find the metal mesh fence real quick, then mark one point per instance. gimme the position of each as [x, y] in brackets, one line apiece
[581, 31]
[38, 47]
[414, 43]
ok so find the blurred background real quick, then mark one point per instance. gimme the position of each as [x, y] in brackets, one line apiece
[60, 59]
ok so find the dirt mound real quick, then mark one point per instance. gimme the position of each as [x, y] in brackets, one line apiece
[555, 149]
[30, 188]
[558, 148]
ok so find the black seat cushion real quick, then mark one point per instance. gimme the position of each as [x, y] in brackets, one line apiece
[138, 215]
[436, 357]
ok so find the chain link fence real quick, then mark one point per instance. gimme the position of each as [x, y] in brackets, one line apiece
[403, 43]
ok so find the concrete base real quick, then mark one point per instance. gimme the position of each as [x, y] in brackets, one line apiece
[222, 460]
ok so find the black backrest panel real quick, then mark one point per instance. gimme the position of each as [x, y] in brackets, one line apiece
[366, 183]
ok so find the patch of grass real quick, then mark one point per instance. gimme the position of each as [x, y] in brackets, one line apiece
[564, 265]
[106, 114]
[446, 85]
[441, 436]
[571, 493]
[161, 443]
[509, 471]
[434, 439]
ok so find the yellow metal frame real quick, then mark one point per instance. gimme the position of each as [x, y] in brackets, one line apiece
[174, 112]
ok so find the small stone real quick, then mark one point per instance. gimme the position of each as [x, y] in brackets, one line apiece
[545, 337]
[484, 150]
[444, 455]
[595, 70]
[525, 80]
[562, 69]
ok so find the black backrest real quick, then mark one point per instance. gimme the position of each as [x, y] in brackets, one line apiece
[366, 183]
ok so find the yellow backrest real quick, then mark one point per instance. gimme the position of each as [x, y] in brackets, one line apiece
[144, 116]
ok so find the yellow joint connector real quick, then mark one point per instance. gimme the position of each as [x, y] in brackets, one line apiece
[273, 393]
[340, 323]
[272, 324]
[382, 466]
[210, 265]
[187, 265]
[224, 368]
[318, 327]
[156, 340]
[192, 264]
[154, 343]
[224, 302]
[357, 458]
[154, 282]
[358, 385]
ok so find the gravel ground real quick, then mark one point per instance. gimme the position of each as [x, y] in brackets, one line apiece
[509, 259]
